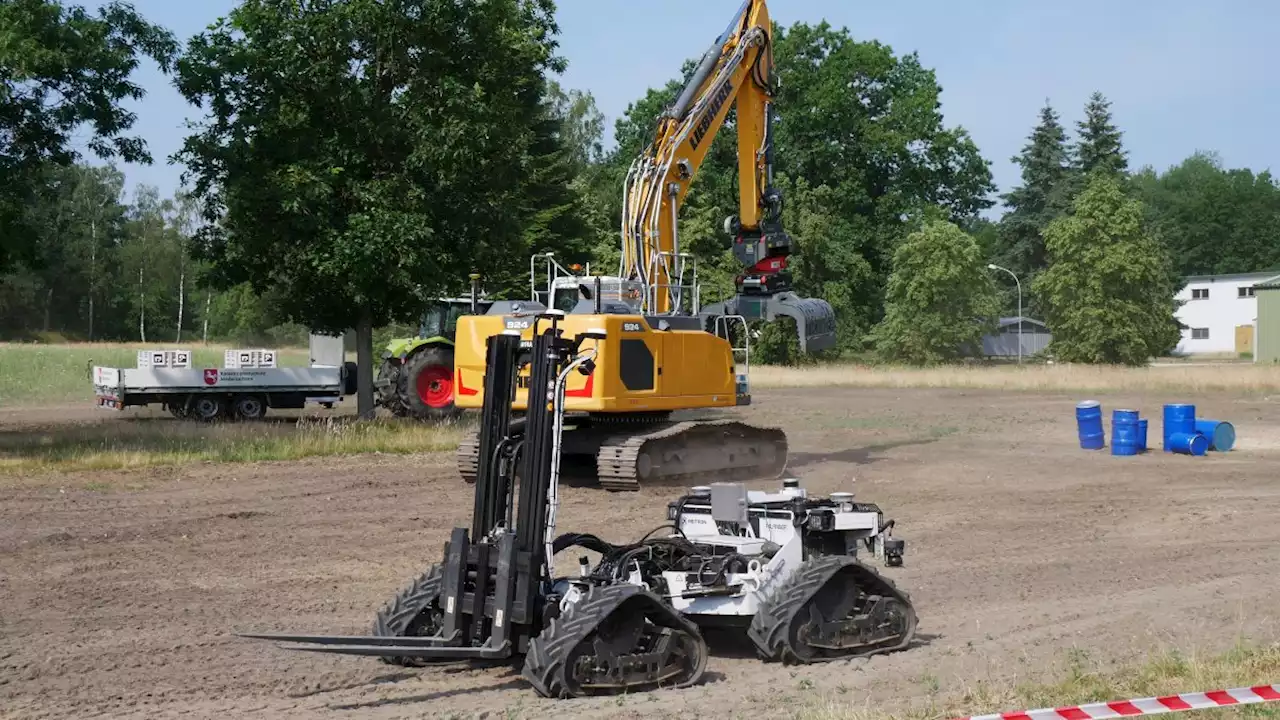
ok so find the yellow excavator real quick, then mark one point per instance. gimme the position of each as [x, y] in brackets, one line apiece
[661, 350]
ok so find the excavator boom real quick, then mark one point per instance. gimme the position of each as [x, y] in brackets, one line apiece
[736, 72]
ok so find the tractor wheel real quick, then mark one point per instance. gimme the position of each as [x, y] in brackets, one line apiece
[427, 389]
[392, 397]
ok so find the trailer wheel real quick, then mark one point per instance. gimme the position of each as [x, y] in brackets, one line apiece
[249, 407]
[178, 408]
[209, 407]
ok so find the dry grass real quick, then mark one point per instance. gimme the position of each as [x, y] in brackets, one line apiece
[162, 441]
[1083, 682]
[42, 374]
[1219, 377]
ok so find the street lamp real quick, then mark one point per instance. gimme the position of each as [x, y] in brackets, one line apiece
[991, 266]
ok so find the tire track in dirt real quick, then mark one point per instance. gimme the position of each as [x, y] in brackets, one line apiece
[1019, 547]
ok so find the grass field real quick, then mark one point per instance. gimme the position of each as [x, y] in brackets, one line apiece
[41, 375]
[1082, 681]
[1182, 377]
[51, 374]
[151, 442]
[32, 374]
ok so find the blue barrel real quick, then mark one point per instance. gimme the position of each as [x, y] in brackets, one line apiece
[1124, 432]
[1222, 435]
[1188, 443]
[1142, 434]
[1089, 424]
[1178, 419]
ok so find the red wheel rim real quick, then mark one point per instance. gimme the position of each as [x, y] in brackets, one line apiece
[435, 386]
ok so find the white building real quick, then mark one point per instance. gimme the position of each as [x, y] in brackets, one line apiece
[1218, 313]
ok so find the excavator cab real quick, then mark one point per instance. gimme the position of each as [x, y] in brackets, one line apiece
[597, 295]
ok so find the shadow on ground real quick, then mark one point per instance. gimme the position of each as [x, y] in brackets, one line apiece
[854, 456]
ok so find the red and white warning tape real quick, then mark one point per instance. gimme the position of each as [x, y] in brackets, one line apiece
[1146, 706]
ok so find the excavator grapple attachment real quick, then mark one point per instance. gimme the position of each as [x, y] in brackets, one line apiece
[815, 318]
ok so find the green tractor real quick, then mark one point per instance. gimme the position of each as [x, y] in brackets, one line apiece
[415, 378]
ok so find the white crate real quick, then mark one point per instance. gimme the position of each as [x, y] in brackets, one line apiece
[179, 359]
[247, 358]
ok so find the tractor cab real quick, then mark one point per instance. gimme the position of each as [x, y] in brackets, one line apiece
[441, 318]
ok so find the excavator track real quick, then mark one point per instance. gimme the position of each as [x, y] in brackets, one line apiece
[614, 639]
[832, 608]
[694, 452]
[468, 458]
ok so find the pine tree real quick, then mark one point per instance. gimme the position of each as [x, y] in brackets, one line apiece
[1043, 196]
[1099, 146]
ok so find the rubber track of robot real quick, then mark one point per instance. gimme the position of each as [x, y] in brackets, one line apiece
[394, 619]
[544, 663]
[770, 627]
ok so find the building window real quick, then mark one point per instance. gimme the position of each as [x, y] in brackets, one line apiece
[1200, 293]
[1245, 292]
[1199, 333]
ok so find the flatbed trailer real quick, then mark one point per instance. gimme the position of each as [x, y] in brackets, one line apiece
[248, 383]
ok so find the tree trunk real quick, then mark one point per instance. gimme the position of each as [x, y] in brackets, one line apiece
[142, 309]
[364, 367]
[182, 296]
[208, 298]
[48, 303]
[93, 270]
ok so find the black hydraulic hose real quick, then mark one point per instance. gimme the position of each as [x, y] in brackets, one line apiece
[664, 525]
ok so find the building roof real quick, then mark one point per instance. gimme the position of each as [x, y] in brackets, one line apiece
[1270, 283]
[1231, 276]
[1007, 321]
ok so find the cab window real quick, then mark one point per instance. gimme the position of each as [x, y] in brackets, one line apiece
[566, 299]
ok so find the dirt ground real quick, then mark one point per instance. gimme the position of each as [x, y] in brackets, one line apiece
[120, 592]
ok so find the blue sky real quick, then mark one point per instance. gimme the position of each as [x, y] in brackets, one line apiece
[1181, 75]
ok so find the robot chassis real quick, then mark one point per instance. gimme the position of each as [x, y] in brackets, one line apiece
[782, 566]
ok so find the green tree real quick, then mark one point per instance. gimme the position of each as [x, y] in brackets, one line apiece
[581, 124]
[151, 263]
[1213, 220]
[940, 299]
[1099, 146]
[1042, 197]
[360, 158]
[1107, 291]
[60, 70]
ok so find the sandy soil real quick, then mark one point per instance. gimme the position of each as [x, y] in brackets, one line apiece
[119, 592]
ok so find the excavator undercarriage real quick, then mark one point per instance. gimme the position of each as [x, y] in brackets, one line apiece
[627, 451]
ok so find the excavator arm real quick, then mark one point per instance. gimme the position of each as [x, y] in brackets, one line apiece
[735, 72]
